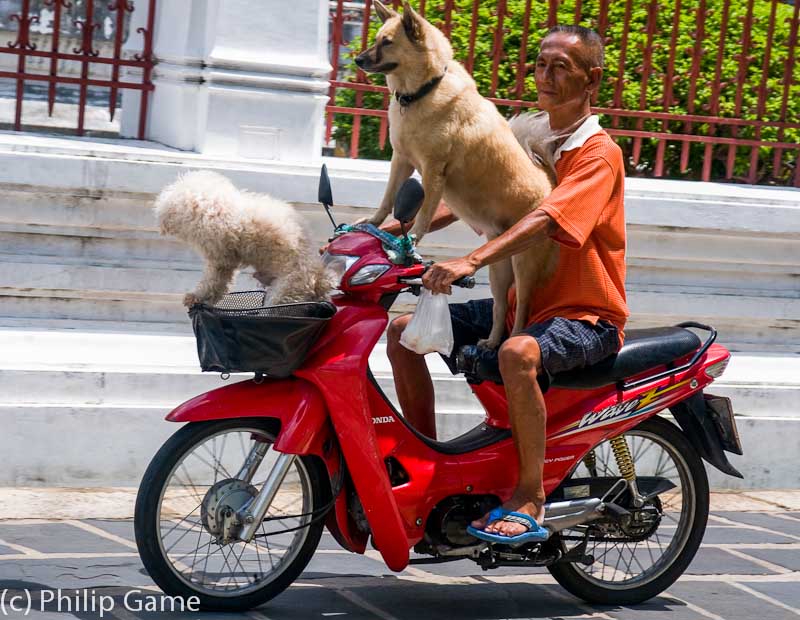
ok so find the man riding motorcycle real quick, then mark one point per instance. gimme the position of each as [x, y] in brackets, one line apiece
[578, 316]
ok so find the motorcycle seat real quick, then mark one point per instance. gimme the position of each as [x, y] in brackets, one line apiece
[644, 349]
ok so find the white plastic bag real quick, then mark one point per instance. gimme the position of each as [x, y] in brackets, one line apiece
[430, 329]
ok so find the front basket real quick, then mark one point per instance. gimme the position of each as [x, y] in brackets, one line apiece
[241, 334]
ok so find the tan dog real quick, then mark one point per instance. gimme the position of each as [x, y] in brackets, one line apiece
[464, 149]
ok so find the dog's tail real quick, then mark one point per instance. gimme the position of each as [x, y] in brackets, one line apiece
[532, 131]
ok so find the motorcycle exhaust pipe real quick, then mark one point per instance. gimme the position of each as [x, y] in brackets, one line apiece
[563, 515]
[558, 516]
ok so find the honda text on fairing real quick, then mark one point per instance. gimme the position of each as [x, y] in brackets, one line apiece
[232, 508]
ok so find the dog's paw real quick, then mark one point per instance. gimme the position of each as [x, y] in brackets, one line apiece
[417, 234]
[190, 299]
[489, 343]
[263, 278]
[377, 219]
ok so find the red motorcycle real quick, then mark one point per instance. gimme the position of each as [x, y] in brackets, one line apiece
[232, 507]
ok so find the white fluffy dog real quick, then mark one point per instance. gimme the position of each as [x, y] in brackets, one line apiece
[233, 228]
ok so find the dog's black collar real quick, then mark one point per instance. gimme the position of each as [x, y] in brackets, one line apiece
[407, 100]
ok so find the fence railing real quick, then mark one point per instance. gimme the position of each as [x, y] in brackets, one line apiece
[83, 19]
[699, 89]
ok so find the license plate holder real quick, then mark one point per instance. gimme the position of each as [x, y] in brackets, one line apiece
[719, 409]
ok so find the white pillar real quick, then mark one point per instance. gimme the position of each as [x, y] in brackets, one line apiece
[238, 78]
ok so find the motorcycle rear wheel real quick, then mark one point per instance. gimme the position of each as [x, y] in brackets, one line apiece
[619, 587]
[171, 520]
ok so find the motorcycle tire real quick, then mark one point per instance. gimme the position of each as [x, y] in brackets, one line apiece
[147, 518]
[577, 582]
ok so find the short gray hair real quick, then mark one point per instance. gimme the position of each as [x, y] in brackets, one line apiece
[593, 42]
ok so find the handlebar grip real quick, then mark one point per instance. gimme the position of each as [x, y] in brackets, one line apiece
[465, 282]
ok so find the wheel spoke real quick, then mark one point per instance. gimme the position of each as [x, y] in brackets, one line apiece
[205, 558]
[650, 551]
[191, 484]
[186, 518]
[217, 467]
[180, 538]
[241, 443]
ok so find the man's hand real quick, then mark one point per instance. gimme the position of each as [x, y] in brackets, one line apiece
[440, 276]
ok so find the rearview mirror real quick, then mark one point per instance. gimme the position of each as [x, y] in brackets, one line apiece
[325, 195]
[408, 201]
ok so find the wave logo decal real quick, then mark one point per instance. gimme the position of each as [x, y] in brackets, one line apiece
[646, 402]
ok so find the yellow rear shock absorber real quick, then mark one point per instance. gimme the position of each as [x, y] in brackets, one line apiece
[623, 456]
[627, 470]
[590, 460]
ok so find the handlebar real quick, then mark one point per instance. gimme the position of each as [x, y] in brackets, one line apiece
[465, 282]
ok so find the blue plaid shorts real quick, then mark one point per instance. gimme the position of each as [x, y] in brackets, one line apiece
[566, 344]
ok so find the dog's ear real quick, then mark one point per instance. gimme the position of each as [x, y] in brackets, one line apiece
[383, 12]
[412, 22]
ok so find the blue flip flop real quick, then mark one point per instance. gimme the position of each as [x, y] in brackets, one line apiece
[535, 531]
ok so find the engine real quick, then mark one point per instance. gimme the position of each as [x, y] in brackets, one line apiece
[447, 524]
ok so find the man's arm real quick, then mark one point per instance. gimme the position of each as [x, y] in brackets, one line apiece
[531, 229]
[441, 218]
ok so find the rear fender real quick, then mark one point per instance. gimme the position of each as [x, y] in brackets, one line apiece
[702, 432]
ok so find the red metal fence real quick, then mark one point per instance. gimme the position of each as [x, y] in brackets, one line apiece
[85, 54]
[703, 89]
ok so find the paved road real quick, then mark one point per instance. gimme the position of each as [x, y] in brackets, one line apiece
[748, 567]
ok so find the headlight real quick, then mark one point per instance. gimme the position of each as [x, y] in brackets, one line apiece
[339, 263]
[368, 274]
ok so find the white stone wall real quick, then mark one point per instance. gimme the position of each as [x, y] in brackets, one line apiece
[236, 79]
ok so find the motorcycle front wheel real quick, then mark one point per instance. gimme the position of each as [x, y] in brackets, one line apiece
[180, 517]
[634, 566]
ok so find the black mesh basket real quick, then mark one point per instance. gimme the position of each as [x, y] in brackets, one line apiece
[241, 334]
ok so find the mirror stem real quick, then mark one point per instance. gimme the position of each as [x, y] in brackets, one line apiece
[330, 215]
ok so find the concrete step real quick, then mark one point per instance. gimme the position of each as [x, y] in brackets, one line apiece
[53, 244]
[89, 445]
[40, 367]
[106, 445]
[72, 445]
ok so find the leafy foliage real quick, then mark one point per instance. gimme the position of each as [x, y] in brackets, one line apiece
[727, 83]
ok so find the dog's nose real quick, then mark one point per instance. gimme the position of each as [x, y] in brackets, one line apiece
[360, 60]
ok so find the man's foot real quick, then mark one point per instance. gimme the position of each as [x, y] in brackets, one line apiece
[509, 528]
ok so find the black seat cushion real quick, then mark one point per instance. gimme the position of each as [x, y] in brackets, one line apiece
[643, 349]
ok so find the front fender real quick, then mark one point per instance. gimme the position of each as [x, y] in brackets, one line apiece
[295, 403]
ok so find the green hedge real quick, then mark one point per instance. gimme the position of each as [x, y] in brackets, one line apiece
[637, 39]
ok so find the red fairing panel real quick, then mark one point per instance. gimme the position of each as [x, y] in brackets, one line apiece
[578, 420]
[339, 369]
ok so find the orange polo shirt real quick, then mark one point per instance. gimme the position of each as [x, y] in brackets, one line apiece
[588, 283]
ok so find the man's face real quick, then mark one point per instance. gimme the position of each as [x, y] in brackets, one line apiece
[561, 72]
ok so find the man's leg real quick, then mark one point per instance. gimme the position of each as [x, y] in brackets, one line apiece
[520, 363]
[412, 380]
